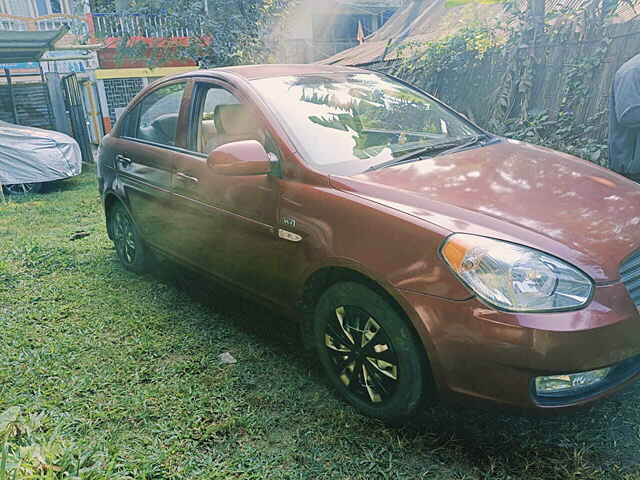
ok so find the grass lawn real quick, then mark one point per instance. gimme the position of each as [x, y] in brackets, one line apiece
[125, 370]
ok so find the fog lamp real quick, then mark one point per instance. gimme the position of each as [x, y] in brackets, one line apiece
[570, 384]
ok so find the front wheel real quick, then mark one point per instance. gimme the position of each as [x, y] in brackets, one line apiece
[369, 352]
[132, 251]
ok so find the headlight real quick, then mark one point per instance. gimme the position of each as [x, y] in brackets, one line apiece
[516, 278]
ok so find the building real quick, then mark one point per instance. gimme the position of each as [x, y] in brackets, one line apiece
[120, 78]
[32, 87]
[320, 29]
[89, 49]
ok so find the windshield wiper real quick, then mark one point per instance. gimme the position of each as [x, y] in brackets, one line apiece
[444, 147]
[468, 144]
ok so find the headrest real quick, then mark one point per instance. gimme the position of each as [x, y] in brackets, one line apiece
[235, 120]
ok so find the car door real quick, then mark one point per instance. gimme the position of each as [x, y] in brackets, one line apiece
[145, 161]
[227, 222]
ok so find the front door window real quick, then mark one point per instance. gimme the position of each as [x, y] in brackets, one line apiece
[224, 119]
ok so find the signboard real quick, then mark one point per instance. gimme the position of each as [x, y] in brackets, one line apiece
[25, 65]
[79, 61]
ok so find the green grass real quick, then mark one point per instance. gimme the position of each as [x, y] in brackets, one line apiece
[125, 370]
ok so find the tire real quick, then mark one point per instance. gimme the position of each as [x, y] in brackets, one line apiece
[370, 353]
[131, 249]
[19, 189]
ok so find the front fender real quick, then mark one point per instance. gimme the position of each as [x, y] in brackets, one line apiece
[392, 248]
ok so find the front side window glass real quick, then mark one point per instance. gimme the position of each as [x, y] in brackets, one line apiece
[223, 119]
[348, 122]
[158, 115]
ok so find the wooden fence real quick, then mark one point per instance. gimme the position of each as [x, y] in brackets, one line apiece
[474, 90]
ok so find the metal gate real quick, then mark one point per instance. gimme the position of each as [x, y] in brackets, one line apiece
[73, 101]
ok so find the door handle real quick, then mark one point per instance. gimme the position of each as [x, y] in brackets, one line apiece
[125, 161]
[188, 178]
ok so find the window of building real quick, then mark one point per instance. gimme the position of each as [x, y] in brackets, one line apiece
[19, 8]
[48, 7]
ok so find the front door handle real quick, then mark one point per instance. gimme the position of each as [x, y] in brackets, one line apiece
[125, 161]
[188, 178]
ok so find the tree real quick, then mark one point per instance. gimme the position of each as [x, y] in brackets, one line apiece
[211, 32]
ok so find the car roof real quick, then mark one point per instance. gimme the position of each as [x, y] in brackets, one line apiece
[254, 72]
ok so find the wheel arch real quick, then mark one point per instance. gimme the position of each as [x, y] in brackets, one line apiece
[111, 199]
[322, 278]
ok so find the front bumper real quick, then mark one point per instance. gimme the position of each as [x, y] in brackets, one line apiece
[479, 353]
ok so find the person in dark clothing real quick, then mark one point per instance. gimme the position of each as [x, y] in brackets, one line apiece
[624, 120]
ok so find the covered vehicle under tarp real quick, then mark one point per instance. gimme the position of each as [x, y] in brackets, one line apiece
[34, 155]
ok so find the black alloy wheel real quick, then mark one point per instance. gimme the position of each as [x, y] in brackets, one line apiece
[362, 354]
[370, 353]
[131, 250]
[18, 189]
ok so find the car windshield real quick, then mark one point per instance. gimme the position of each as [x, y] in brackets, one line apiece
[347, 123]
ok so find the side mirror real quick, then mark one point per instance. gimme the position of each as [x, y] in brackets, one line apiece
[239, 158]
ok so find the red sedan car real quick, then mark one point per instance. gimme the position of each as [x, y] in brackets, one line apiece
[422, 256]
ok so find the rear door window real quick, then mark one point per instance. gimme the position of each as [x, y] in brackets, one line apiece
[155, 118]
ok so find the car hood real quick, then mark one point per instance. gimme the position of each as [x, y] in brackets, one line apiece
[580, 212]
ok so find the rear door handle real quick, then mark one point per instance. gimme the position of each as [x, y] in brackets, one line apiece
[188, 178]
[125, 161]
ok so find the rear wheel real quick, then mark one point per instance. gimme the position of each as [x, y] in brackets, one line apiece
[22, 188]
[132, 251]
[369, 352]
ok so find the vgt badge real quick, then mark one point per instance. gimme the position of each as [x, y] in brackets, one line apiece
[289, 222]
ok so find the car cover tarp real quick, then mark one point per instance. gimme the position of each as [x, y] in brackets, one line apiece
[30, 155]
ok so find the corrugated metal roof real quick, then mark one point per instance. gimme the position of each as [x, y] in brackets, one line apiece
[18, 47]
